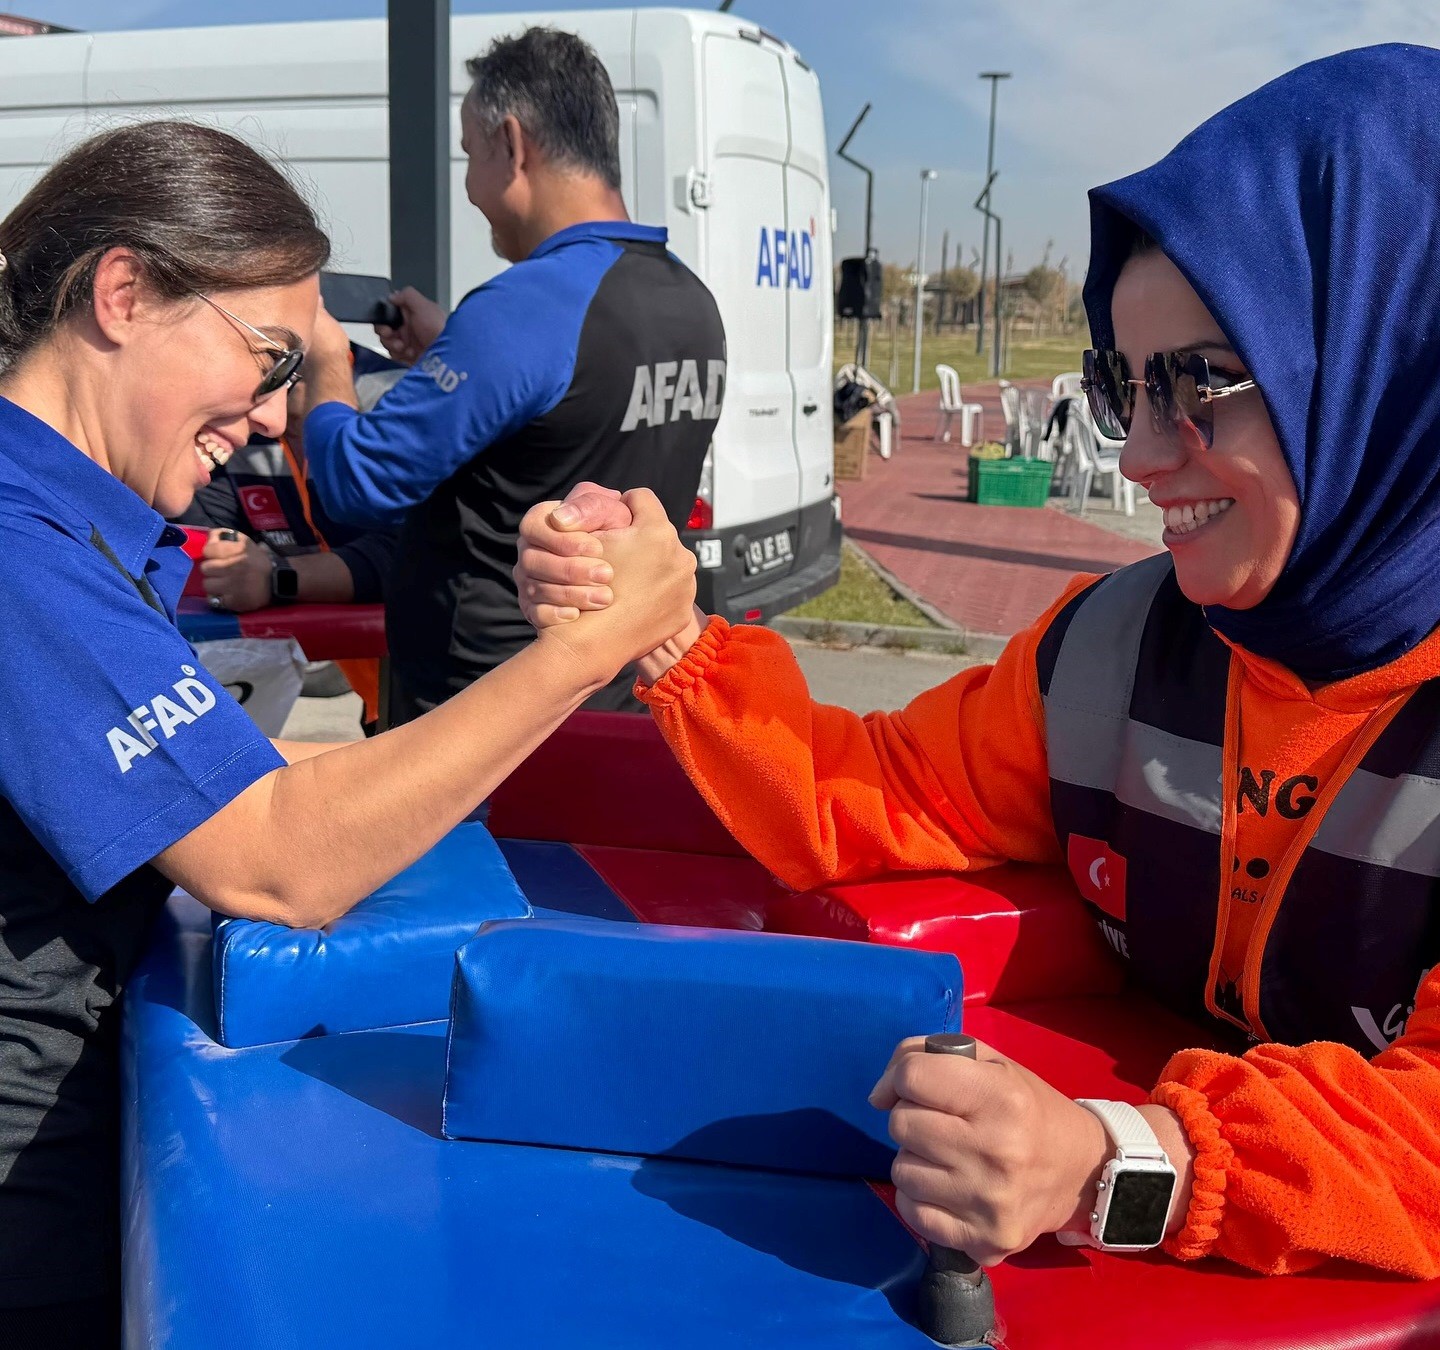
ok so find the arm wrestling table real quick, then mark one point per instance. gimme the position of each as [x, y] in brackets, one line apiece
[299, 1193]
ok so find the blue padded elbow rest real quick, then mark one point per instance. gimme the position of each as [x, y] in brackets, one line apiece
[721, 1046]
[388, 962]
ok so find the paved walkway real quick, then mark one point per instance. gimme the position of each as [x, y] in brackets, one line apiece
[991, 569]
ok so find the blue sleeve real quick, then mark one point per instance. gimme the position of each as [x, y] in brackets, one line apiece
[505, 357]
[114, 741]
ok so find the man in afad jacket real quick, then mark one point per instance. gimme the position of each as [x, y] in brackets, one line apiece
[597, 356]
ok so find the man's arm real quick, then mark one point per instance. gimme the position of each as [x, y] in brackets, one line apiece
[237, 573]
[329, 374]
[502, 360]
[367, 557]
[322, 578]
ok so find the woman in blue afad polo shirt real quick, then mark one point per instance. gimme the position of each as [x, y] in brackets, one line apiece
[158, 289]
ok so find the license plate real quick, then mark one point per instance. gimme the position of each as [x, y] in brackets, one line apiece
[767, 552]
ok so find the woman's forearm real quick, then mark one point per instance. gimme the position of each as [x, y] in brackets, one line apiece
[294, 751]
[303, 844]
[651, 668]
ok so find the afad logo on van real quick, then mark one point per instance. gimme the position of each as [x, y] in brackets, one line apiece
[786, 259]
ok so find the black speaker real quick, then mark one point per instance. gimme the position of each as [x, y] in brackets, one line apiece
[861, 288]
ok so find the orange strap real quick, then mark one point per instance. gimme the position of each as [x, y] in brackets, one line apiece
[362, 672]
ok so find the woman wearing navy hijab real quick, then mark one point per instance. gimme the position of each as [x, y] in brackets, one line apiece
[1235, 746]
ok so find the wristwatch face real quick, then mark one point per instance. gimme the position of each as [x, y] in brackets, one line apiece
[285, 583]
[1139, 1206]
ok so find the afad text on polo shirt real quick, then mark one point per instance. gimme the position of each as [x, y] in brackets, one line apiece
[662, 392]
[162, 716]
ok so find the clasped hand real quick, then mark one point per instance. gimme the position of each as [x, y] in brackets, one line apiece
[605, 574]
[571, 567]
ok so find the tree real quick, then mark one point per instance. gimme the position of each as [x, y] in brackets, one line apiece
[964, 283]
[899, 281]
[1045, 285]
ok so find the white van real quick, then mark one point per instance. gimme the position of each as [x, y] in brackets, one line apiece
[721, 140]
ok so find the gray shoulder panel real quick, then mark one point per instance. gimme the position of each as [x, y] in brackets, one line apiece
[1089, 698]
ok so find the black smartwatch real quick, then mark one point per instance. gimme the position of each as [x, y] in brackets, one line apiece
[284, 581]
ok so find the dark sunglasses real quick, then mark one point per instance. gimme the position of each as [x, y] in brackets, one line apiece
[287, 360]
[1181, 388]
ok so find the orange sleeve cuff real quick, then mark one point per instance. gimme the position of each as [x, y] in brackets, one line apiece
[686, 673]
[1213, 1159]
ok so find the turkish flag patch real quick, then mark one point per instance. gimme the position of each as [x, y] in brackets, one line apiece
[262, 507]
[1099, 873]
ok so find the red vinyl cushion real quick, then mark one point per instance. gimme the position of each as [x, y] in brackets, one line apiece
[1021, 931]
[1066, 1298]
[193, 548]
[608, 779]
[696, 890]
[324, 632]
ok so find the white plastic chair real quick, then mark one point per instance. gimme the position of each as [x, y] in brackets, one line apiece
[1065, 386]
[1024, 419]
[885, 412]
[1010, 407]
[952, 404]
[1088, 454]
[1033, 405]
[1061, 444]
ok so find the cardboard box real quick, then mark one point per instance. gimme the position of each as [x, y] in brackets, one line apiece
[852, 446]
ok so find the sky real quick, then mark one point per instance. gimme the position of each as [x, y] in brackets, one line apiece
[1099, 88]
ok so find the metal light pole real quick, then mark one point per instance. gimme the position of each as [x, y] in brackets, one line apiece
[944, 281]
[419, 72]
[926, 175]
[997, 338]
[994, 76]
[862, 343]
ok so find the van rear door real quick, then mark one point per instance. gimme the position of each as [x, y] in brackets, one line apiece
[746, 142]
[808, 291]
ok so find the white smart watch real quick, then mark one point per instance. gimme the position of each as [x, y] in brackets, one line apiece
[1136, 1189]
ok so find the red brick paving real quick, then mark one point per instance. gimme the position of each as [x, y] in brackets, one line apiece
[992, 569]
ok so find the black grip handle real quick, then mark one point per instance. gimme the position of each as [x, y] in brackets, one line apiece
[387, 313]
[956, 1303]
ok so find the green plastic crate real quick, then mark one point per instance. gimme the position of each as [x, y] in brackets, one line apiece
[1010, 482]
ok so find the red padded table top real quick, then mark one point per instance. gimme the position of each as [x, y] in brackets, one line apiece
[1040, 986]
[324, 632]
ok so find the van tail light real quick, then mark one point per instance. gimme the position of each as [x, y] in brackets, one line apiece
[702, 514]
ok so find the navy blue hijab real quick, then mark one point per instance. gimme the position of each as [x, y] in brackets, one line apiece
[1307, 218]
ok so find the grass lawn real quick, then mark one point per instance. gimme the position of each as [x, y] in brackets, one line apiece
[1028, 360]
[861, 596]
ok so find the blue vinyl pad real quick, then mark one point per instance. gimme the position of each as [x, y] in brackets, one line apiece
[717, 1045]
[386, 963]
[300, 1195]
[557, 880]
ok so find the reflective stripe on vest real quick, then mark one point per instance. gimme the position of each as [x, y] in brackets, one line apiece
[1360, 923]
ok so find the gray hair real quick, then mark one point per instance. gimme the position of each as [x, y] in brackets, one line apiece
[556, 87]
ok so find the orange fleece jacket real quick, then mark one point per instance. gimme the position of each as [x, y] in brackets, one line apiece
[1303, 1153]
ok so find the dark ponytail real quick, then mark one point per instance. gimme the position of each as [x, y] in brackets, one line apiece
[202, 210]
